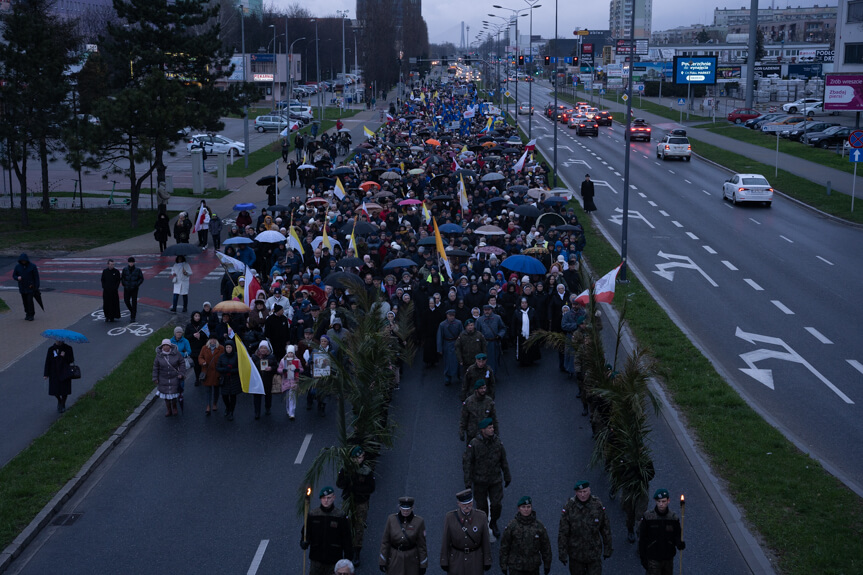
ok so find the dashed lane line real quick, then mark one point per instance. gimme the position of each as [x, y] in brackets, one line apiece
[709, 250]
[828, 262]
[664, 213]
[782, 307]
[676, 223]
[729, 265]
[786, 239]
[303, 448]
[691, 235]
[818, 335]
[753, 285]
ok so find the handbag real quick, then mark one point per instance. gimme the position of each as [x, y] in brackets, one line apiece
[74, 372]
[188, 361]
[277, 384]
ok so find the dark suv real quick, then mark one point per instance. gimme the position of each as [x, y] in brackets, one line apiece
[603, 118]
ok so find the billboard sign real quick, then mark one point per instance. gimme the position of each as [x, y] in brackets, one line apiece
[843, 92]
[695, 70]
[651, 71]
[768, 71]
[804, 70]
[726, 73]
[824, 55]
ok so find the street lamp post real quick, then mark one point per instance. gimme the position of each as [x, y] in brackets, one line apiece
[554, 114]
[273, 26]
[532, 4]
[318, 73]
[245, 79]
[343, 14]
[516, 14]
[291, 71]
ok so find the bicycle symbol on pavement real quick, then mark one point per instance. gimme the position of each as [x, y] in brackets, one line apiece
[99, 314]
[138, 329]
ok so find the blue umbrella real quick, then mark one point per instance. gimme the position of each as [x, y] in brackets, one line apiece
[65, 335]
[399, 263]
[237, 240]
[524, 265]
[451, 229]
[241, 207]
[555, 200]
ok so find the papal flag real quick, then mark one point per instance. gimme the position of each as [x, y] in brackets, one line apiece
[339, 190]
[462, 193]
[326, 241]
[440, 250]
[294, 241]
[426, 214]
[250, 377]
[368, 133]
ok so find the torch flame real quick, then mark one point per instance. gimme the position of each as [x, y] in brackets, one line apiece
[681, 500]
[308, 491]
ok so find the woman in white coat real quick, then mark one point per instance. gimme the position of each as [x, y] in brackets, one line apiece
[181, 273]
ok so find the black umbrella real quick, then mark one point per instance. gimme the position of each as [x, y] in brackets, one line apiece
[181, 250]
[528, 211]
[439, 181]
[567, 228]
[485, 139]
[496, 200]
[267, 180]
[430, 241]
[364, 151]
[399, 263]
[343, 280]
[378, 169]
[457, 253]
[277, 208]
[475, 148]
[433, 159]
[511, 151]
[341, 171]
[350, 262]
[466, 172]
[443, 198]
[518, 188]
[362, 229]
[325, 180]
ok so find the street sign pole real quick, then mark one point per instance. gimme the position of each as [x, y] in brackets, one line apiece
[853, 186]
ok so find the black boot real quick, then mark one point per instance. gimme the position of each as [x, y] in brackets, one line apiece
[495, 531]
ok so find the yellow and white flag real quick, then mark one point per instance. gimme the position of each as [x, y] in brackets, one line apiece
[250, 377]
[326, 240]
[339, 190]
[368, 133]
[294, 241]
[353, 243]
[426, 214]
[440, 250]
[462, 193]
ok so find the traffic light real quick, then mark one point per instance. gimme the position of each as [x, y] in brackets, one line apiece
[575, 60]
[521, 60]
[547, 60]
[443, 61]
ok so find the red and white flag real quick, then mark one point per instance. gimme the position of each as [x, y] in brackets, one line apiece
[251, 288]
[530, 146]
[519, 165]
[603, 290]
[389, 118]
[203, 218]
[454, 165]
[365, 211]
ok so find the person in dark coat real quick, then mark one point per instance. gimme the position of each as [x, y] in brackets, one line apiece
[110, 292]
[277, 328]
[357, 481]
[197, 338]
[132, 278]
[430, 319]
[524, 322]
[292, 173]
[27, 276]
[403, 546]
[659, 536]
[162, 230]
[216, 230]
[328, 535]
[57, 362]
[231, 387]
[587, 194]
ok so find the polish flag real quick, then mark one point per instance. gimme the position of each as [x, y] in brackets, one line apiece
[519, 165]
[251, 288]
[531, 145]
[603, 290]
[454, 165]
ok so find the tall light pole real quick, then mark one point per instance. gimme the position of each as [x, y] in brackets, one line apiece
[291, 70]
[516, 14]
[532, 4]
[624, 238]
[343, 14]
[554, 114]
[273, 26]
[245, 105]
[318, 73]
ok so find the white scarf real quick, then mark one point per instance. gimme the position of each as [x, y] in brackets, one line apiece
[525, 324]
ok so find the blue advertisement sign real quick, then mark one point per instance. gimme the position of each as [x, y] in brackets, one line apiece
[695, 70]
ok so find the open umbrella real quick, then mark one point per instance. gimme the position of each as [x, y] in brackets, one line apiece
[345, 131]
[433, 159]
[417, 149]
[441, 198]
[365, 186]
[496, 200]
[350, 263]
[307, 167]
[466, 172]
[432, 142]
[342, 171]
[490, 250]
[241, 207]
[181, 250]
[524, 265]
[518, 188]
[270, 237]
[65, 335]
[528, 211]
[535, 251]
[343, 280]
[567, 228]
[318, 295]
[489, 230]
[384, 194]
[439, 181]
[554, 201]
[325, 180]
[320, 240]
[390, 176]
[231, 306]
[430, 241]
[511, 151]
[550, 219]
[451, 229]
[399, 263]
[317, 202]
[492, 177]
[277, 208]
[267, 180]
[362, 228]
[456, 253]
[416, 171]
[410, 202]
[370, 207]
[237, 240]
[492, 158]
[363, 151]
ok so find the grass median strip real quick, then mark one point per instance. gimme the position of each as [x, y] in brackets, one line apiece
[809, 520]
[33, 477]
[3, 305]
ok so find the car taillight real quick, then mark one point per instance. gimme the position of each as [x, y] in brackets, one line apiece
[741, 189]
[667, 147]
[689, 148]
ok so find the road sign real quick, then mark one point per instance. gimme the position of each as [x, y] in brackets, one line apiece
[506, 93]
[625, 97]
[602, 91]
[639, 87]
[681, 101]
[856, 156]
[855, 139]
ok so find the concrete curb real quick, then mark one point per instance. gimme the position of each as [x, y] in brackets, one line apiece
[44, 518]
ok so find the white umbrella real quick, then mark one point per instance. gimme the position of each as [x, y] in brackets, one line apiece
[320, 240]
[270, 237]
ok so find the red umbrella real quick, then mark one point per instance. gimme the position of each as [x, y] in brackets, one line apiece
[410, 202]
[369, 184]
[318, 295]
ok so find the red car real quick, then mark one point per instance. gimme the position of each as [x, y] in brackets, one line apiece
[740, 115]
[639, 130]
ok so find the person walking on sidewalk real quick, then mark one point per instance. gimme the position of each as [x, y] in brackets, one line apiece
[169, 369]
[162, 229]
[110, 292]
[58, 360]
[27, 275]
[286, 148]
[181, 273]
[216, 230]
[132, 278]
[587, 193]
[403, 546]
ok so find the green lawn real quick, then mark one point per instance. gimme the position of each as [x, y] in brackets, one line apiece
[33, 477]
[3, 306]
[70, 230]
[808, 519]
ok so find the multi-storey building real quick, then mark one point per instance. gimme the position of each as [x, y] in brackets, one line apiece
[620, 14]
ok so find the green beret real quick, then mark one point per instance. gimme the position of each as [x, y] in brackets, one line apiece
[479, 383]
[485, 422]
[357, 451]
[582, 484]
[481, 356]
[469, 321]
[661, 493]
[525, 500]
[326, 491]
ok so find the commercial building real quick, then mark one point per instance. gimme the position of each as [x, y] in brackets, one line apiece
[620, 18]
[849, 37]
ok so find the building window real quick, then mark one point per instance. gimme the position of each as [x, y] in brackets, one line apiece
[854, 53]
[855, 11]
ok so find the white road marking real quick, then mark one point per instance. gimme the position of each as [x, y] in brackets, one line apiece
[855, 364]
[691, 235]
[664, 213]
[706, 192]
[786, 239]
[642, 194]
[657, 163]
[303, 449]
[259, 556]
[753, 285]
[615, 173]
[687, 181]
[671, 172]
[729, 265]
[632, 187]
[709, 250]
[828, 262]
[645, 157]
[676, 223]
[651, 203]
[754, 220]
[782, 307]
[818, 335]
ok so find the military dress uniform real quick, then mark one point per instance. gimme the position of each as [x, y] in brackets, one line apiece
[485, 464]
[465, 547]
[584, 536]
[474, 374]
[525, 545]
[357, 482]
[403, 545]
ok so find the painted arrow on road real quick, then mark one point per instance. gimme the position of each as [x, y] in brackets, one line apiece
[633, 215]
[574, 162]
[682, 262]
[765, 376]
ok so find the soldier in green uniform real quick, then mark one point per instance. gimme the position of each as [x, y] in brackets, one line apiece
[358, 482]
[469, 343]
[484, 464]
[659, 537]
[328, 536]
[584, 534]
[479, 370]
[465, 547]
[525, 545]
[403, 545]
[474, 409]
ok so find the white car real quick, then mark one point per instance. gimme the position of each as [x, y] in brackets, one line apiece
[802, 105]
[215, 144]
[748, 188]
[525, 108]
[673, 146]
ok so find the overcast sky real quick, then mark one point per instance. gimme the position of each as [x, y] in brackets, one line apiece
[444, 17]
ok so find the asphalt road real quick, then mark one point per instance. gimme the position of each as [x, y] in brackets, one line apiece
[197, 494]
[768, 294]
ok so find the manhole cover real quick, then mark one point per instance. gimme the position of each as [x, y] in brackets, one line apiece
[66, 519]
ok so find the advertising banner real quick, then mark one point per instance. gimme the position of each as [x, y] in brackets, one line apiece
[726, 73]
[804, 70]
[695, 70]
[843, 92]
[768, 71]
[651, 71]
